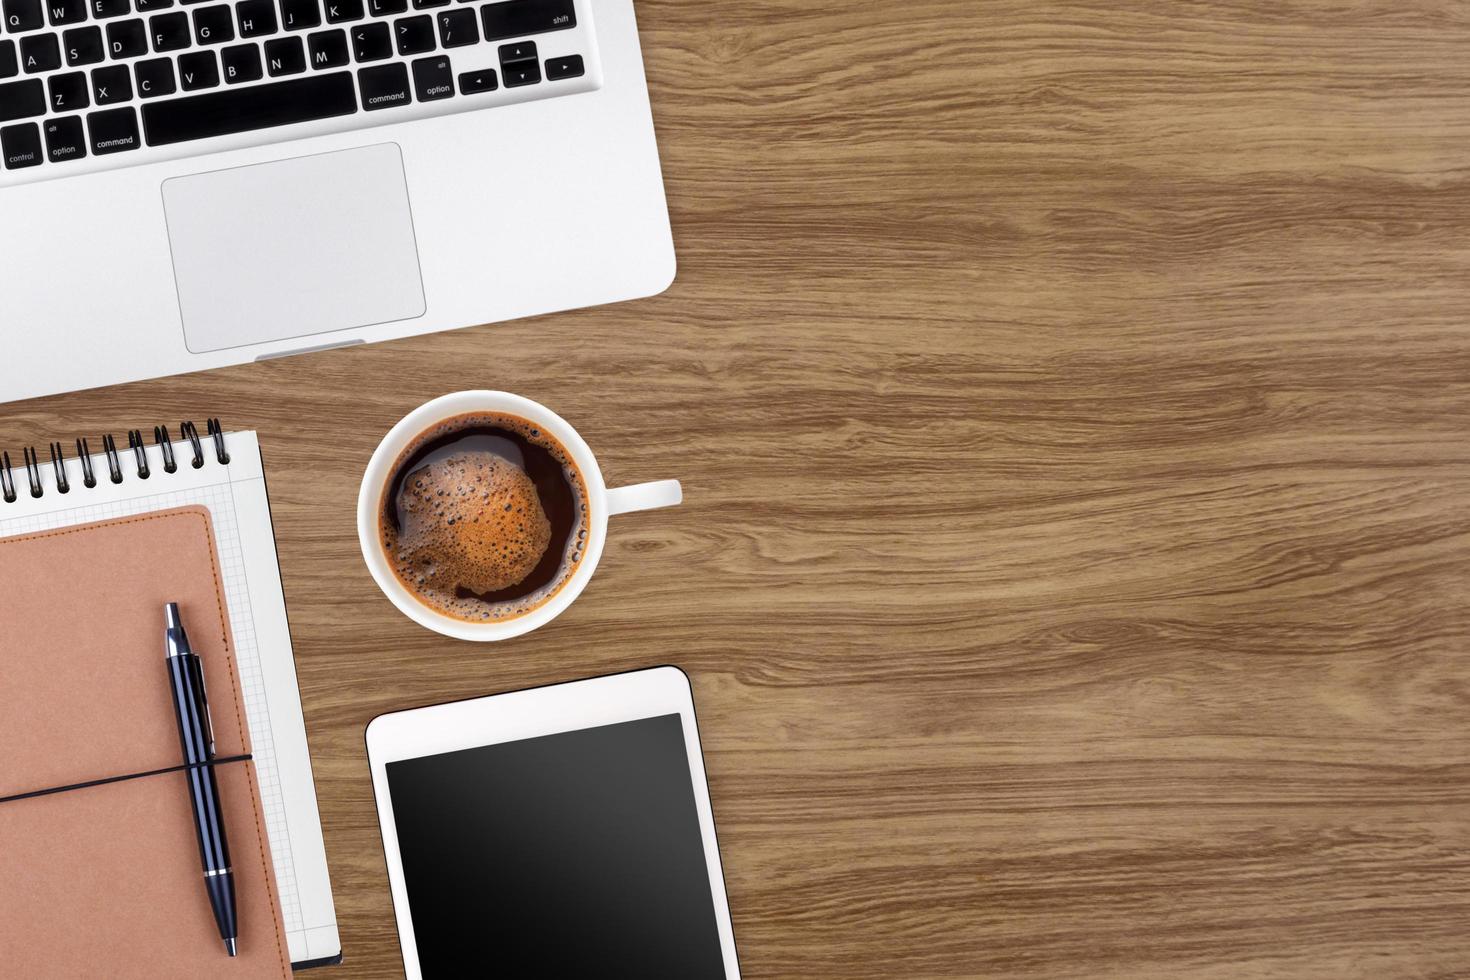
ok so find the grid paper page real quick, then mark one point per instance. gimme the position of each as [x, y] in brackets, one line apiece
[235, 496]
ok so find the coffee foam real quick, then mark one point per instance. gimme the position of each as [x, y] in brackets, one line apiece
[471, 521]
[479, 544]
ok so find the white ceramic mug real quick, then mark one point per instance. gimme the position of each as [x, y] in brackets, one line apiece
[602, 503]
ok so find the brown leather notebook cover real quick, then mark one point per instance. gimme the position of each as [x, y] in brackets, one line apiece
[105, 881]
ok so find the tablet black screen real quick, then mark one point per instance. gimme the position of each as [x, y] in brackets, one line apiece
[568, 855]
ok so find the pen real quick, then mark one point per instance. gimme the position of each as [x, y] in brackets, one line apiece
[196, 736]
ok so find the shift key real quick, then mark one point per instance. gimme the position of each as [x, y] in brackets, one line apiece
[21, 100]
[520, 18]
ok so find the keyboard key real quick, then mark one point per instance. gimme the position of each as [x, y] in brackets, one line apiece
[127, 39]
[111, 85]
[328, 49]
[458, 28]
[384, 87]
[432, 79]
[284, 56]
[241, 110]
[414, 35]
[170, 32]
[155, 78]
[20, 146]
[198, 70]
[9, 63]
[21, 15]
[40, 52]
[113, 131]
[241, 63]
[64, 12]
[20, 100]
[521, 73]
[427, 4]
[65, 139]
[214, 25]
[472, 82]
[524, 51]
[568, 67]
[298, 15]
[149, 6]
[343, 11]
[372, 42]
[83, 46]
[518, 18]
[257, 17]
[68, 92]
[103, 9]
[387, 8]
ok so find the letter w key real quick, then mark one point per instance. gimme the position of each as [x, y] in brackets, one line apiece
[65, 12]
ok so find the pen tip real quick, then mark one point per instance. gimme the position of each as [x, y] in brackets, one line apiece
[230, 946]
[171, 615]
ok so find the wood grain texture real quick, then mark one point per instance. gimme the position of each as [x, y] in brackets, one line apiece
[1073, 406]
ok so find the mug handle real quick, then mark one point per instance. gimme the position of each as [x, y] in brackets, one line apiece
[644, 496]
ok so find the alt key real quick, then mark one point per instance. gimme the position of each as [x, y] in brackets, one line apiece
[432, 79]
[65, 139]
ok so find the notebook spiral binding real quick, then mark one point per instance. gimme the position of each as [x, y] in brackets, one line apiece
[10, 491]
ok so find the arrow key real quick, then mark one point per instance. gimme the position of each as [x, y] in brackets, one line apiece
[522, 73]
[472, 82]
[568, 67]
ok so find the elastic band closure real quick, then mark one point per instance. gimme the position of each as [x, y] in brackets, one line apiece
[119, 779]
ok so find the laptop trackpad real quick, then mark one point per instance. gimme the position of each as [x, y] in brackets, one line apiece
[295, 247]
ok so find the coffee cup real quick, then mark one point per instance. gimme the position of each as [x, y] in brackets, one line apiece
[601, 502]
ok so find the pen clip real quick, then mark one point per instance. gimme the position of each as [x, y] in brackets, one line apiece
[209, 724]
[204, 704]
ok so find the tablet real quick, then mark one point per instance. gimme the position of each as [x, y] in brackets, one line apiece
[563, 831]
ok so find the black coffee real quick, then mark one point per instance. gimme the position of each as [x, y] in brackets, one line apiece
[484, 516]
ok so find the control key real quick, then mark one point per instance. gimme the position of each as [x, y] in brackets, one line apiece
[20, 146]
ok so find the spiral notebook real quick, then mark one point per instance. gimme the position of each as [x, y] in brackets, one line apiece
[224, 474]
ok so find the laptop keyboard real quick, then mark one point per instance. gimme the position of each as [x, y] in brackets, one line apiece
[87, 79]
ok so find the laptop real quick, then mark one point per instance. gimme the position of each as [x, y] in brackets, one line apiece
[186, 184]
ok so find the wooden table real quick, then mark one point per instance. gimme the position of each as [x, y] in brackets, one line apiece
[1073, 406]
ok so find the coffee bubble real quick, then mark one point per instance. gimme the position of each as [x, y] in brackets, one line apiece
[490, 534]
[484, 517]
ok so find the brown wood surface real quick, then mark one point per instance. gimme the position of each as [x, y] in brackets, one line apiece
[1073, 406]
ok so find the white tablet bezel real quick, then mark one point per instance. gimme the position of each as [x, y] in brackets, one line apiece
[527, 714]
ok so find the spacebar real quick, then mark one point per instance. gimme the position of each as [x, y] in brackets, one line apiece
[242, 110]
